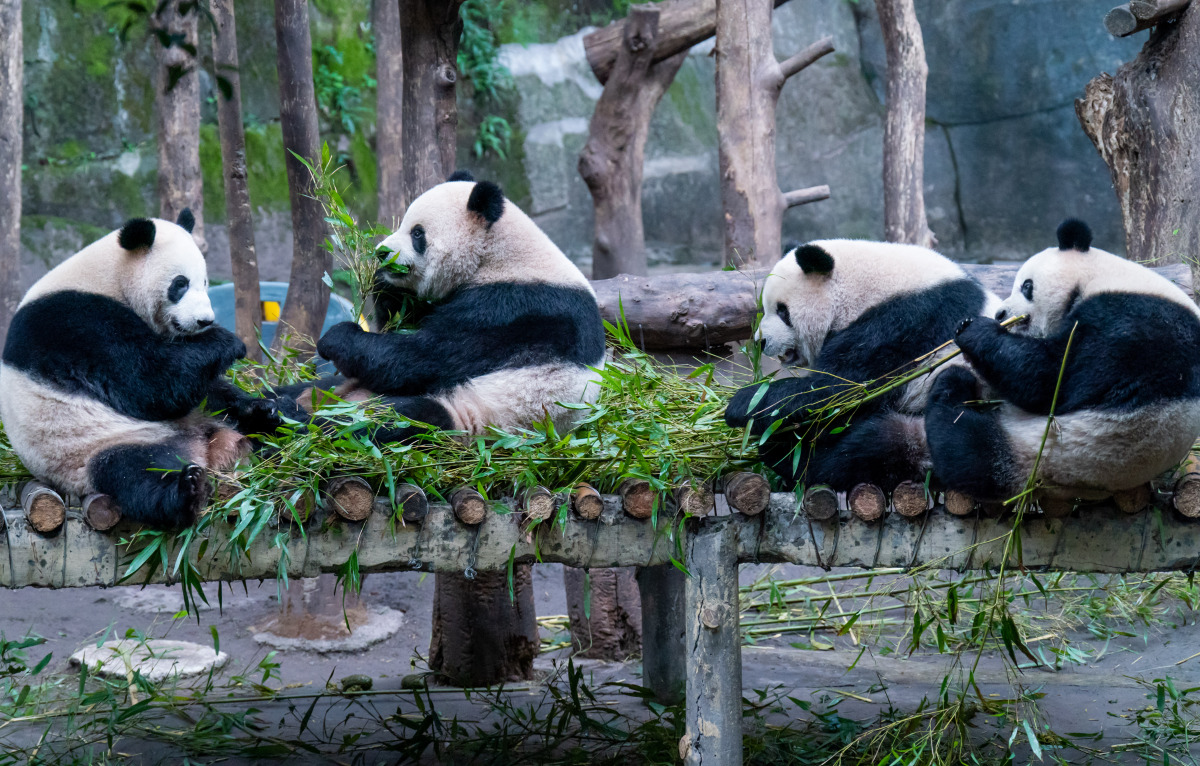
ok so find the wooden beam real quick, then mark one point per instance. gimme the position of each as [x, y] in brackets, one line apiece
[1140, 15]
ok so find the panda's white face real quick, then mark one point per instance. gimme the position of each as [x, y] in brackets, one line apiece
[798, 313]
[439, 244]
[167, 284]
[1047, 286]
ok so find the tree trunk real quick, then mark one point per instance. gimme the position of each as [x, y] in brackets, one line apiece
[480, 636]
[1145, 122]
[389, 95]
[429, 32]
[242, 256]
[12, 99]
[177, 98]
[749, 81]
[611, 629]
[303, 313]
[904, 133]
[611, 161]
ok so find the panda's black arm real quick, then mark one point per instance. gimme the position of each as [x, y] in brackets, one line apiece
[93, 346]
[247, 413]
[395, 364]
[790, 399]
[1021, 369]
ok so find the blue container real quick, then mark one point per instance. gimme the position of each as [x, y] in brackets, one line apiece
[273, 295]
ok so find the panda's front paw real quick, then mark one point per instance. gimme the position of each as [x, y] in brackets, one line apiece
[229, 347]
[954, 386]
[963, 325]
[259, 416]
[339, 346]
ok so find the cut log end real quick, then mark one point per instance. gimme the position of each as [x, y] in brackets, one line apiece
[695, 499]
[1120, 21]
[959, 504]
[587, 502]
[868, 502]
[1056, 507]
[101, 512]
[637, 498]
[469, 506]
[538, 504]
[412, 503]
[748, 493]
[820, 502]
[44, 508]
[350, 497]
[909, 499]
[1134, 500]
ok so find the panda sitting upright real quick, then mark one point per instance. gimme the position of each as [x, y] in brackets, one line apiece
[513, 333]
[855, 312]
[107, 361]
[1128, 406]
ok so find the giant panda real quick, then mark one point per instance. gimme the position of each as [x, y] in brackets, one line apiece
[106, 363]
[853, 312]
[1128, 407]
[512, 333]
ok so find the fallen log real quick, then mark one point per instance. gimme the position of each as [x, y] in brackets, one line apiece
[701, 311]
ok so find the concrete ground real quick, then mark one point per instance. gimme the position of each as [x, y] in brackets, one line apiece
[1098, 698]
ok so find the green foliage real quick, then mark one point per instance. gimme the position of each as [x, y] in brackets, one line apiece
[478, 62]
[342, 100]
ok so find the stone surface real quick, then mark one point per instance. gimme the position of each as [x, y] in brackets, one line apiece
[373, 625]
[157, 659]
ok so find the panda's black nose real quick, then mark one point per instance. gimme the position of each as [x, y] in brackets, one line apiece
[204, 322]
[1001, 314]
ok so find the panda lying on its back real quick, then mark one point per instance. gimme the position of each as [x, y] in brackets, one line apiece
[106, 362]
[1129, 404]
[854, 312]
[513, 330]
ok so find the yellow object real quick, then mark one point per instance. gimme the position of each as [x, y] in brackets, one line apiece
[362, 322]
[270, 311]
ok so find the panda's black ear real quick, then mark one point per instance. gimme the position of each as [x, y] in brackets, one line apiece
[486, 201]
[814, 259]
[1074, 234]
[460, 175]
[186, 220]
[137, 234]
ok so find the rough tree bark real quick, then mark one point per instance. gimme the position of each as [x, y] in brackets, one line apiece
[904, 132]
[1145, 122]
[749, 81]
[11, 112]
[303, 313]
[177, 101]
[389, 95]
[611, 161]
[611, 629]
[242, 255]
[480, 636]
[429, 32]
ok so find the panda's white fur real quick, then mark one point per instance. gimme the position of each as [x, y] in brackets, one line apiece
[878, 306]
[60, 398]
[1128, 407]
[515, 332]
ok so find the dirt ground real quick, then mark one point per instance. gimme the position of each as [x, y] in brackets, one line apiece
[1097, 698]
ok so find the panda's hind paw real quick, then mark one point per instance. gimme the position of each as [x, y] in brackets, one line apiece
[954, 386]
[194, 491]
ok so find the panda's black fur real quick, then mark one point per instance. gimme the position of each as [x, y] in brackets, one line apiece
[881, 441]
[1128, 406]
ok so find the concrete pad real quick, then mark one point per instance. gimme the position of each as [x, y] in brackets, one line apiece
[327, 633]
[168, 599]
[156, 659]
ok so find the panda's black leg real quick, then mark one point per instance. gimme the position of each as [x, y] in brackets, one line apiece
[419, 408]
[969, 448]
[152, 484]
[883, 449]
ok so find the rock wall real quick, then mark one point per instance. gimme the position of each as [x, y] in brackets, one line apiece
[1005, 157]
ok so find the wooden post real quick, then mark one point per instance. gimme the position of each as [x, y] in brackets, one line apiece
[480, 636]
[303, 313]
[177, 102]
[611, 161]
[242, 255]
[587, 502]
[611, 628]
[749, 81]
[820, 502]
[350, 497]
[44, 508]
[429, 32]
[714, 662]
[389, 96]
[664, 658]
[1145, 122]
[904, 131]
[12, 109]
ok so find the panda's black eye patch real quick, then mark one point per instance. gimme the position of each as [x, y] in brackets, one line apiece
[781, 311]
[179, 286]
[1027, 289]
[418, 239]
